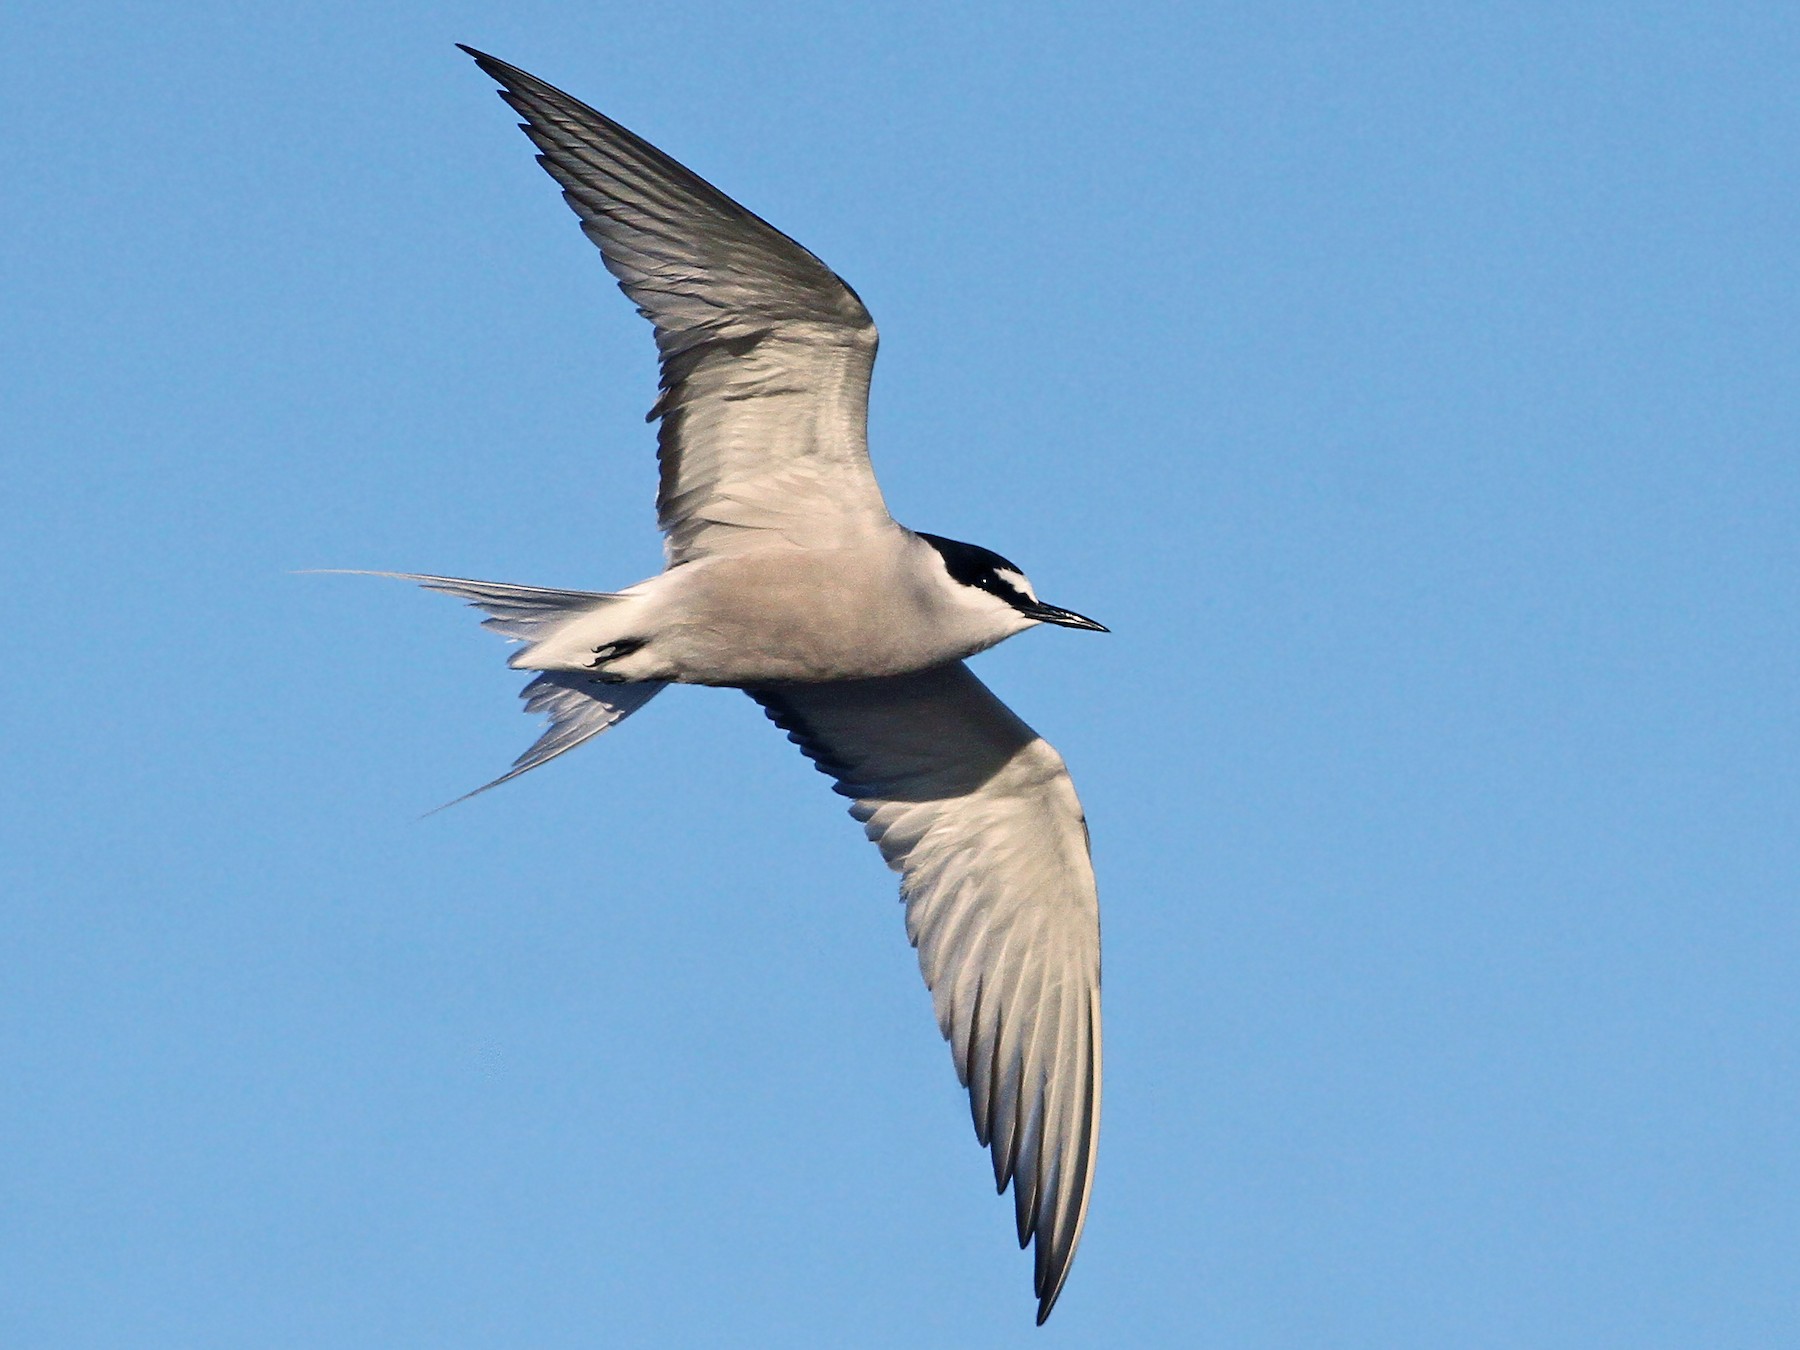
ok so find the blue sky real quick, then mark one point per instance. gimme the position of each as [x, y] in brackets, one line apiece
[1412, 388]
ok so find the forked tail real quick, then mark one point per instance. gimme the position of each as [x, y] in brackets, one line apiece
[579, 706]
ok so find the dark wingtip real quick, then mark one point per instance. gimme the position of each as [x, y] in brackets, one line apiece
[492, 66]
[1047, 1300]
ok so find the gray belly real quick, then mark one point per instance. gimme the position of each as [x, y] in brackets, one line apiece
[799, 617]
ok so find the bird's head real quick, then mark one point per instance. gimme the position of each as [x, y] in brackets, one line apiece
[994, 582]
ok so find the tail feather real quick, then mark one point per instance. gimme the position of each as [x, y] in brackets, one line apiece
[522, 612]
[579, 706]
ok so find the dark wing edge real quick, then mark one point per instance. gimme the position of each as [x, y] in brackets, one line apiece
[642, 207]
[937, 768]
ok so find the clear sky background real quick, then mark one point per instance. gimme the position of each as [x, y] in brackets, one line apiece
[1413, 388]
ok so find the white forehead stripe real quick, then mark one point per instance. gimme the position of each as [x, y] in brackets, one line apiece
[1017, 581]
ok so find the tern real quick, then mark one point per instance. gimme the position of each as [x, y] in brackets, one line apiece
[787, 578]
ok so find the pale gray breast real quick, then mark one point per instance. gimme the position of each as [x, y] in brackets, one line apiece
[790, 614]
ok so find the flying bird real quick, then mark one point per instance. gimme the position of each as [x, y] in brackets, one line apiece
[787, 578]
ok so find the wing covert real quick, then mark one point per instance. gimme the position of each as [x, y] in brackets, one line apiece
[978, 815]
[766, 353]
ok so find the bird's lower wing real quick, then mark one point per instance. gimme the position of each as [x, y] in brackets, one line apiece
[978, 815]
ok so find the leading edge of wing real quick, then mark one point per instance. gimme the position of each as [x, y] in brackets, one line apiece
[978, 815]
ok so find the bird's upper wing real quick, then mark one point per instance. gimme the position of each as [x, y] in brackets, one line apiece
[766, 353]
[977, 814]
